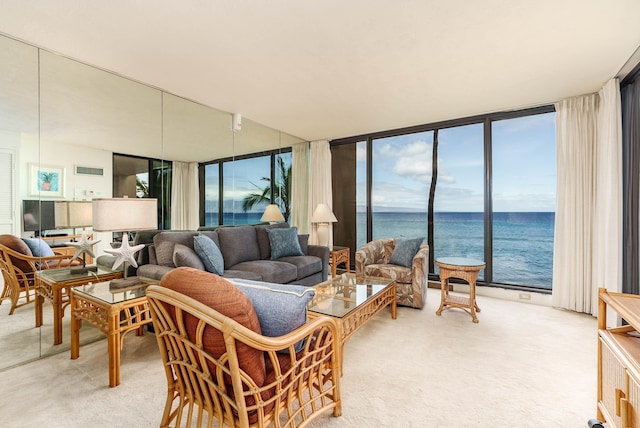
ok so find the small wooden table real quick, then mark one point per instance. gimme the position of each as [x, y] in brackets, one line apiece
[54, 285]
[465, 269]
[115, 311]
[338, 255]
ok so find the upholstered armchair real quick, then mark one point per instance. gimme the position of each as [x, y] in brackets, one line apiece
[222, 371]
[19, 265]
[411, 283]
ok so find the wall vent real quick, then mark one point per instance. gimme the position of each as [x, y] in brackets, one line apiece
[87, 170]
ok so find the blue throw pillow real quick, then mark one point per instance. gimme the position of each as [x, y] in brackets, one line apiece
[281, 308]
[404, 251]
[284, 242]
[38, 247]
[209, 253]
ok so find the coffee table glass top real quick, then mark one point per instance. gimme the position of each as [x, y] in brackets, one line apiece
[110, 294]
[64, 274]
[340, 295]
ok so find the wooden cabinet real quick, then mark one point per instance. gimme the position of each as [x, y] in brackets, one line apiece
[58, 247]
[619, 361]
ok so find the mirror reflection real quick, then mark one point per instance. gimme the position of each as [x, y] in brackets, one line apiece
[69, 131]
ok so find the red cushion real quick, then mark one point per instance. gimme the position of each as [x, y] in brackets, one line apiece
[222, 296]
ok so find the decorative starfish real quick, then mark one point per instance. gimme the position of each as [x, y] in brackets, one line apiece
[83, 246]
[125, 252]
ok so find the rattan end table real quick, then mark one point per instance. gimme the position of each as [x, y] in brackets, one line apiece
[465, 269]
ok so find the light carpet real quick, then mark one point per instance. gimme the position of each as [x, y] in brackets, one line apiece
[521, 366]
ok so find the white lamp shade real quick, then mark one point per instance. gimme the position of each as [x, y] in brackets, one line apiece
[272, 214]
[124, 214]
[323, 214]
[70, 214]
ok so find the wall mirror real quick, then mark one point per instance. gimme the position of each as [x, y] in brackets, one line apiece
[71, 118]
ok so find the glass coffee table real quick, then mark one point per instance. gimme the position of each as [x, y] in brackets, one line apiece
[54, 285]
[115, 311]
[352, 301]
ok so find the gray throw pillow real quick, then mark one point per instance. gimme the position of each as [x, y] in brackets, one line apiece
[185, 256]
[284, 243]
[38, 247]
[209, 253]
[281, 308]
[404, 251]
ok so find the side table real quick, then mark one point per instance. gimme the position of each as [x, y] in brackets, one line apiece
[115, 311]
[338, 255]
[54, 285]
[465, 269]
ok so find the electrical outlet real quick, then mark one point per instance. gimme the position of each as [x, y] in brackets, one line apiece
[525, 296]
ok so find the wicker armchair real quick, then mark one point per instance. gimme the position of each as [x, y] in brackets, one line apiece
[411, 284]
[18, 266]
[221, 372]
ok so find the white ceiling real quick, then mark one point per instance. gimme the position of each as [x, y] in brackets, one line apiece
[335, 68]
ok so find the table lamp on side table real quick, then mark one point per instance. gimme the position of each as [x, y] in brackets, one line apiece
[73, 214]
[323, 216]
[124, 215]
[272, 214]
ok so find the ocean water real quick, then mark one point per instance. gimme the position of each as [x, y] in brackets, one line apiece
[522, 242]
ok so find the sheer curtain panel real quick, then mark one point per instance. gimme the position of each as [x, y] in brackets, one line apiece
[319, 184]
[300, 187]
[588, 238]
[185, 196]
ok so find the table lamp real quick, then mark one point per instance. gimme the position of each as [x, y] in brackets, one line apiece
[73, 214]
[323, 216]
[272, 214]
[124, 215]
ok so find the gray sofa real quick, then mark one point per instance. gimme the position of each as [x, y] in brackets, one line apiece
[246, 251]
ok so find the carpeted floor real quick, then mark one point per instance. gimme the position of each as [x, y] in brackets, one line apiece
[521, 366]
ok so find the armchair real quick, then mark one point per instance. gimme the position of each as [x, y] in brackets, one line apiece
[19, 265]
[220, 369]
[372, 259]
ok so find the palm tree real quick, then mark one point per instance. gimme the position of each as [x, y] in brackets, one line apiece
[281, 189]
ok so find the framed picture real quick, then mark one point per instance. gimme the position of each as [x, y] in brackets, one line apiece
[47, 181]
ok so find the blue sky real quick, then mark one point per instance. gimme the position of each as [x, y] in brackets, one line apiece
[523, 168]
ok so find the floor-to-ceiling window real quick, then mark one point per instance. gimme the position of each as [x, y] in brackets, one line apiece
[484, 185]
[524, 183]
[237, 190]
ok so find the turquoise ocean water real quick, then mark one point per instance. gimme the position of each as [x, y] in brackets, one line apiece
[522, 241]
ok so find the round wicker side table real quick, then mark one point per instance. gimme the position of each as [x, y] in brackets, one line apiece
[465, 269]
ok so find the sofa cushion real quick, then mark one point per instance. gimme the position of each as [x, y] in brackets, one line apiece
[284, 242]
[224, 297]
[238, 244]
[304, 243]
[270, 270]
[38, 247]
[306, 265]
[404, 251]
[184, 256]
[281, 308]
[164, 243]
[263, 238]
[209, 253]
[242, 274]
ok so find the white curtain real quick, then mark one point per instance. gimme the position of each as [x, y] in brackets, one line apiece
[589, 199]
[300, 187]
[185, 196]
[319, 184]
